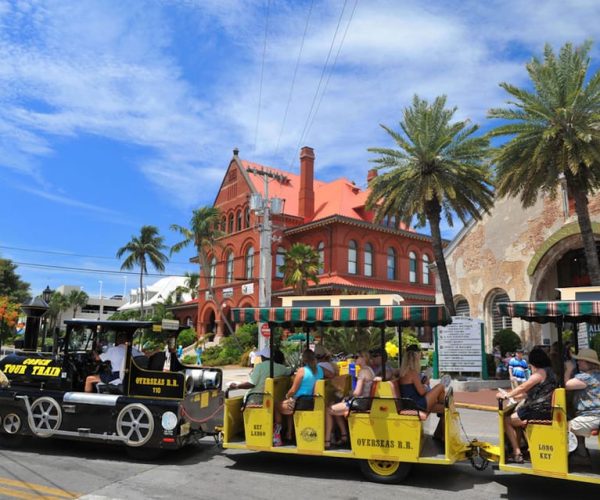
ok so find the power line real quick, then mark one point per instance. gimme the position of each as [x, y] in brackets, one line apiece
[69, 254]
[318, 86]
[92, 271]
[262, 70]
[287, 107]
[332, 68]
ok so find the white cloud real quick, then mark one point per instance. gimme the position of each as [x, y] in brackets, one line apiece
[112, 69]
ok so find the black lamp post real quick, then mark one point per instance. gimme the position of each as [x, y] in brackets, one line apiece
[47, 296]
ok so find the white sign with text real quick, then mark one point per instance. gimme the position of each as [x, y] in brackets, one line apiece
[459, 345]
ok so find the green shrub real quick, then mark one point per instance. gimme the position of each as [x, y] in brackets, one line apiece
[508, 341]
[595, 343]
[186, 337]
[190, 359]
[491, 365]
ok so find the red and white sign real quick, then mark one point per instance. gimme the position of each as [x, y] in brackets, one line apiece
[265, 331]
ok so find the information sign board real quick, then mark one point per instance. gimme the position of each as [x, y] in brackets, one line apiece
[459, 345]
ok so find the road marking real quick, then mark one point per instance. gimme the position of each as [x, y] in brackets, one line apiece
[23, 489]
[470, 406]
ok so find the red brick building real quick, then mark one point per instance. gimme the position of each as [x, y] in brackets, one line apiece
[358, 256]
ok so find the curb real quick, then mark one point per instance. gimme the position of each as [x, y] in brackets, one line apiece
[470, 406]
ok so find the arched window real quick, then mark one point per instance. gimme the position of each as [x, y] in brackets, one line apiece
[224, 224]
[352, 257]
[462, 308]
[213, 271]
[368, 261]
[321, 250]
[412, 267]
[230, 224]
[499, 322]
[247, 218]
[229, 267]
[238, 226]
[391, 264]
[250, 263]
[425, 269]
[393, 222]
[279, 261]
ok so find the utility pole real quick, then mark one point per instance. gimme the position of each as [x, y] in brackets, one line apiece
[265, 207]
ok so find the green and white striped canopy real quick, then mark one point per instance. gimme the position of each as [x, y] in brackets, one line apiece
[346, 316]
[546, 312]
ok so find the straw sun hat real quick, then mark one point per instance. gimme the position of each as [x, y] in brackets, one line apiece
[589, 355]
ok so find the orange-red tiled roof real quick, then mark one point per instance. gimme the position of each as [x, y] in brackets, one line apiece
[338, 197]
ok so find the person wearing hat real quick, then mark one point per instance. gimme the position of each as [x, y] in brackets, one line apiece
[323, 356]
[261, 372]
[586, 383]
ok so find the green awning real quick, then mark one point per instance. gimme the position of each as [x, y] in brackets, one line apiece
[346, 316]
[545, 312]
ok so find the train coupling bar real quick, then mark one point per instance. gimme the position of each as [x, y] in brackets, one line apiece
[481, 453]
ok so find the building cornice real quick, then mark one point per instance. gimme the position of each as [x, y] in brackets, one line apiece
[341, 219]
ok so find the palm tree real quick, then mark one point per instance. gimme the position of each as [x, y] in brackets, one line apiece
[301, 263]
[147, 246]
[555, 135]
[192, 283]
[58, 304]
[204, 233]
[438, 169]
[77, 299]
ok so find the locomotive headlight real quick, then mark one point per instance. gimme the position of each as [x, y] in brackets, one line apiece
[169, 421]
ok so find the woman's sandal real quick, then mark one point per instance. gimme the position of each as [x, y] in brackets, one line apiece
[327, 444]
[517, 458]
[343, 441]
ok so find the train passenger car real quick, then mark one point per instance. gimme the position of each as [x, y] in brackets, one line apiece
[386, 432]
[151, 405]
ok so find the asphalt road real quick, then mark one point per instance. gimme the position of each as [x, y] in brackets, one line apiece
[62, 469]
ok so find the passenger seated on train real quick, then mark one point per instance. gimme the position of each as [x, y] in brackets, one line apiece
[165, 360]
[586, 385]
[330, 369]
[376, 363]
[261, 372]
[338, 412]
[538, 391]
[303, 385]
[414, 386]
[116, 356]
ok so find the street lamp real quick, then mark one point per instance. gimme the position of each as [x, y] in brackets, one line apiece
[47, 296]
[265, 207]
[101, 301]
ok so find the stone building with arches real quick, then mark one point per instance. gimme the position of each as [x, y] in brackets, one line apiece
[357, 255]
[519, 254]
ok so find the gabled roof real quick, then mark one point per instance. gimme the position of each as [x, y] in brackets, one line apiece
[338, 197]
[161, 290]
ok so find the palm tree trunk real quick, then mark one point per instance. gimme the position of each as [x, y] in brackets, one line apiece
[433, 216]
[587, 233]
[141, 295]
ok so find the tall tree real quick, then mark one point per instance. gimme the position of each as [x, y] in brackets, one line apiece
[192, 283]
[11, 284]
[141, 250]
[554, 135]
[58, 304]
[438, 169]
[203, 233]
[77, 299]
[301, 264]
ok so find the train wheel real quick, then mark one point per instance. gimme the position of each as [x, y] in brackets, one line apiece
[46, 417]
[11, 426]
[384, 471]
[135, 423]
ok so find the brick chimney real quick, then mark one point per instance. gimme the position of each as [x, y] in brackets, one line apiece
[306, 197]
[371, 174]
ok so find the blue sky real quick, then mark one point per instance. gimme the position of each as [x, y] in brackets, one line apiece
[116, 114]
